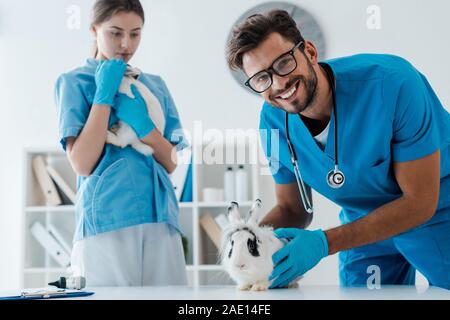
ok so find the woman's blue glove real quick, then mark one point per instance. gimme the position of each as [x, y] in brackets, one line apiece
[108, 77]
[134, 112]
[304, 250]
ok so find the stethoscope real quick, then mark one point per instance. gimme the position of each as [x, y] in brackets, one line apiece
[335, 178]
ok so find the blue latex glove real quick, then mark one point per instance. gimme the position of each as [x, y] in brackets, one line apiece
[134, 112]
[304, 250]
[108, 77]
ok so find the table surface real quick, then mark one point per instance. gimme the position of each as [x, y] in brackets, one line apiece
[231, 293]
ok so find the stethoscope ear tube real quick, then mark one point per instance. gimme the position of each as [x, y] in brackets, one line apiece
[335, 178]
[307, 202]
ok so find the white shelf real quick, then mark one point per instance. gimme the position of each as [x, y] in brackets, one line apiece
[38, 268]
[45, 270]
[223, 204]
[212, 267]
[66, 208]
[185, 204]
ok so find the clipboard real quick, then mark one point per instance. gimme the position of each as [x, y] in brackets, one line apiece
[48, 294]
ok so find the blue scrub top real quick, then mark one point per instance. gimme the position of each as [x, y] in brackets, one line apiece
[126, 188]
[387, 112]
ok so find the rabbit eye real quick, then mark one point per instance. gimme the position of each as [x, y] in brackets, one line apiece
[252, 247]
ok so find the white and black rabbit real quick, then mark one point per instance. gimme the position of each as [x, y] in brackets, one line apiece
[247, 249]
[122, 134]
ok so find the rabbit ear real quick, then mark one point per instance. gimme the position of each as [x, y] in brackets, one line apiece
[233, 212]
[253, 212]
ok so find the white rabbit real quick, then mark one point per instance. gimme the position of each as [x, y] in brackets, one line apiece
[247, 249]
[122, 134]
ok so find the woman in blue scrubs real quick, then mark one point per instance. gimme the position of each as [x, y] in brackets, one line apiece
[127, 226]
[393, 146]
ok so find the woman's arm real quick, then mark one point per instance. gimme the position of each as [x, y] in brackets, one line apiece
[164, 151]
[85, 150]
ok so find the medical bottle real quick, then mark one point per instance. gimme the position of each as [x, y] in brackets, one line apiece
[229, 184]
[241, 184]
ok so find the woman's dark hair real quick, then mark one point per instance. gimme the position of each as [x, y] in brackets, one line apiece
[255, 29]
[105, 9]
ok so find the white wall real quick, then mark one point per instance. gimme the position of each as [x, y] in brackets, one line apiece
[184, 41]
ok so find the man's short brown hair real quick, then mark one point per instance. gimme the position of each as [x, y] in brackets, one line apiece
[255, 29]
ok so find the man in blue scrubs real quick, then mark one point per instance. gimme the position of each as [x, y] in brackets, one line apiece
[393, 147]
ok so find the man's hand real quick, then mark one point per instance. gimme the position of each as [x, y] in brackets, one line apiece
[304, 250]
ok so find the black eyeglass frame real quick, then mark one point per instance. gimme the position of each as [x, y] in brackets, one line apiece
[271, 70]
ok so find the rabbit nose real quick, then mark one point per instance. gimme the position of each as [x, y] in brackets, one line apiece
[240, 266]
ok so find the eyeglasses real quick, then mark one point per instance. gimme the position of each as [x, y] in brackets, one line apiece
[282, 66]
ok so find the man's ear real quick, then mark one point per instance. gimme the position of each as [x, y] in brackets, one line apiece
[311, 52]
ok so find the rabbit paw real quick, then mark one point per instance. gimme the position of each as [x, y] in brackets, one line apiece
[244, 286]
[113, 139]
[260, 286]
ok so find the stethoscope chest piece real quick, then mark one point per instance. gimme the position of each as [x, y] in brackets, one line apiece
[335, 178]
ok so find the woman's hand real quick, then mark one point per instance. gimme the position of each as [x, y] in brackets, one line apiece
[108, 77]
[134, 112]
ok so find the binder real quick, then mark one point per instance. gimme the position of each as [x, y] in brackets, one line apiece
[50, 244]
[60, 238]
[212, 229]
[221, 221]
[48, 187]
[61, 183]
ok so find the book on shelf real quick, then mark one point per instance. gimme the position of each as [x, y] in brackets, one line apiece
[45, 182]
[211, 228]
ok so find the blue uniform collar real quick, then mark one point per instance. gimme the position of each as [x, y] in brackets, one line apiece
[302, 136]
[135, 72]
[91, 62]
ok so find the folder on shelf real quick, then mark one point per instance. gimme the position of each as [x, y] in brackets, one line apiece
[61, 184]
[50, 244]
[221, 221]
[211, 228]
[46, 183]
[61, 237]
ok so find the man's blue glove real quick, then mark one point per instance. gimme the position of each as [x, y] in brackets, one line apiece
[304, 250]
[108, 77]
[134, 112]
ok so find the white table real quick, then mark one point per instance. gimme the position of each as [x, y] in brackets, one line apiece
[301, 293]
[306, 292]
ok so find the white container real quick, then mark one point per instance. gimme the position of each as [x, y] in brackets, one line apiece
[212, 195]
[241, 184]
[228, 179]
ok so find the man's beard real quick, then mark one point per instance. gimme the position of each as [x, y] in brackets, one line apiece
[310, 89]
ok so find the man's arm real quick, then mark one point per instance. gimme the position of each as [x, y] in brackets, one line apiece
[419, 180]
[289, 211]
